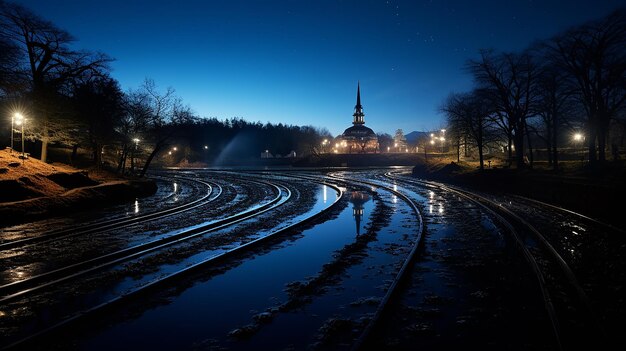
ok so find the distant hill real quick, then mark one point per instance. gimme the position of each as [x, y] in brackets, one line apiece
[414, 135]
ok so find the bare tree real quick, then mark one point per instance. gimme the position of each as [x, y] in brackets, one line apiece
[594, 55]
[507, 82]
[163, 109]
[468, 114]
[47, 64]
[99, 105]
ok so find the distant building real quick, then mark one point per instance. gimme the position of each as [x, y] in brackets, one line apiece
[266, 154]
[358, 138]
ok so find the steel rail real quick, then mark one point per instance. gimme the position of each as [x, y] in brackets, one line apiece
[172, 277]
[113, 223]
[400, 276]
[562, 209]
[492, 206]
[22, 287]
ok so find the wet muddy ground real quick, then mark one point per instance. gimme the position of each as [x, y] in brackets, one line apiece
[316, 285]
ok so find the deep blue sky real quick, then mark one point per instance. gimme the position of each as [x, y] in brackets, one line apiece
[298, 62]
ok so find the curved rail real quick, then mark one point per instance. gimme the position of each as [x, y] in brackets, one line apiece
[176, 275]
[562, 209]
[392, 290]
[25, 286]
[492, 207]
[113, 223]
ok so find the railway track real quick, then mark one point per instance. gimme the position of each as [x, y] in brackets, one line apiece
[115, 222]
[20, 288]
[565, 301]
[401, 275]
[187, 270]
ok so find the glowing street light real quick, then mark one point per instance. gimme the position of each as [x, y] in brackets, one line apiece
[16, 116]
[206, 147]
[20, 121]
[579, 138]
[324, 143]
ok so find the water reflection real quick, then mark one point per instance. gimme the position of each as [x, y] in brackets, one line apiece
[325, 195]
[136, 206]
[358, 199]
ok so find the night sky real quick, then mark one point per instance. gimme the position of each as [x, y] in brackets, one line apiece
[298, 62]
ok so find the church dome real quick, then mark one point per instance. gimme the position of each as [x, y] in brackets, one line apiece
[359, 131]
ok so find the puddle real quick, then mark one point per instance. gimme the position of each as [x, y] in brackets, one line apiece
[213, 308]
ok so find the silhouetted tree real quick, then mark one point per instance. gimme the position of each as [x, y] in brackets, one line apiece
[385, 141]
[47, 64]
[594, 56]
[468, 114]
[399, 140]
[163, 109]
[507, 81]
[99, 105]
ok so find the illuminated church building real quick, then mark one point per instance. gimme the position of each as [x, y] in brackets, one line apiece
[359, 139]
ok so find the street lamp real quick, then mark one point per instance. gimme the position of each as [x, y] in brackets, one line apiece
[324, 142]
[579, 138]
[19, 121]
[15, 116]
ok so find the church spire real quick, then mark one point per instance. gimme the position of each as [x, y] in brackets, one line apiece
[358, 109]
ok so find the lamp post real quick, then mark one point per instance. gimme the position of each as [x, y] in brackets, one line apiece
[324, 142]
[16, 116]
[579, 138]
[19, 121]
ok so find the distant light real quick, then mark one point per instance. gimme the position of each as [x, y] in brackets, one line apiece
[175, 148]
[206, 147]
[443, 130]
[432, 135]
[136, 140]
[395, 145]
[19, 118]
[169, 153]
[432, 141]
[578, 137]
[387, 148]
[443, 139]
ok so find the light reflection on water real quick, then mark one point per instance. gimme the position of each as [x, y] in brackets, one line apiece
[136, 206]
[325, 194]
[229, 295]
[358, 200]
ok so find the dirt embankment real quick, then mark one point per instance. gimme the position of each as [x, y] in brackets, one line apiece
[31, 189]
[596, 194]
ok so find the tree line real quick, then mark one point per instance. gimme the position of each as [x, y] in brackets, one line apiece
[574, 82]
[71, 100]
